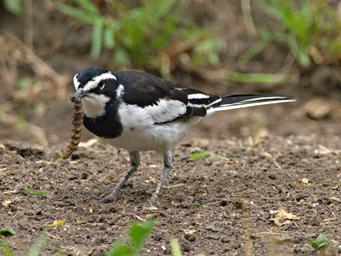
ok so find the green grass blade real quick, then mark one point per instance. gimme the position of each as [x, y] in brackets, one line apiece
[303, 57]
[96, 44]
[139, 232]
[198, 155]
[175, 247]
[37, 246]
[109, 38]
[266, 37]
[35, 192]
[300, 53]
[121, 56]
[119, 248]
[7, 232]
[270, 8]
[161, 8]
[76, 13]
[320, 241]
[87, 5]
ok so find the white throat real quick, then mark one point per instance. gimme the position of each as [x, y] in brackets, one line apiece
[94, 105]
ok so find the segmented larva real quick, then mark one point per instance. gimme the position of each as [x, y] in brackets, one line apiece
[76, 130]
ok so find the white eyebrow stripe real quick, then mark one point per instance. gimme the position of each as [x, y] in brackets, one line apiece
[76, 83]
[94, 82]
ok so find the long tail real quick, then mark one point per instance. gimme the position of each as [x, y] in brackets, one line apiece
[247, 100]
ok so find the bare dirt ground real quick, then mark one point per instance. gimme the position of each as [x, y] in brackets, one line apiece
[213, 205]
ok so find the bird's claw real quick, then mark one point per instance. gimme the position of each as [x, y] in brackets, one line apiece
[109, 198]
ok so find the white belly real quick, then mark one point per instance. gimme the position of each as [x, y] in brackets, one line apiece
[157, 137]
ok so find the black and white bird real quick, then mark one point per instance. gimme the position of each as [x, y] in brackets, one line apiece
[137, 111]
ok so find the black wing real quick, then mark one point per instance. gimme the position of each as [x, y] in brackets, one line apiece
[146, 90]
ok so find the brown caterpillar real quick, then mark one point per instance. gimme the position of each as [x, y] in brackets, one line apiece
[76, 130]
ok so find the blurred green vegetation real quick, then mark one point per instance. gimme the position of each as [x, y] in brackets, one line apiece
[133, 243]
[151, 32]
[310, 30]
[157, 35]
[35, 249]
[129, 245]
[13, 6]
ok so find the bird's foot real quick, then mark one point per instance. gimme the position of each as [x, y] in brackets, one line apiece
[152, 204]
[112, 197]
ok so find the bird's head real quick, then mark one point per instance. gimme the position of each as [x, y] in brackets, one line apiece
[95, 87]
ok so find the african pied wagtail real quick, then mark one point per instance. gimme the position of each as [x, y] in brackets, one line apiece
[138, 112]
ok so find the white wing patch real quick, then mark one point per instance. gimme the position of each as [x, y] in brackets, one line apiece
[133, 116]
[197, 96]
[120, 91]
[166, 110]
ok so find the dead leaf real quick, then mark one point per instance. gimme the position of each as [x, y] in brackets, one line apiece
[154, 166]
[282, 216]
[322, 150]
[304, 181]
[189, 231]
[110, 177]
[6, 202]
[151, 208]
[335, 199]
[10, 192]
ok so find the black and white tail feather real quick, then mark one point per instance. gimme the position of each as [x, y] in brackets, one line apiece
[231, 102]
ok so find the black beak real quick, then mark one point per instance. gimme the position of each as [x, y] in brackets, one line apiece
[78, 94]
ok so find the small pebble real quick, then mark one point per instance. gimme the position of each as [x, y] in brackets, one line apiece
[190, 237]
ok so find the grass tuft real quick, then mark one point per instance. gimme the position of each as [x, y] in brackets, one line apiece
[310, 30]
[135, 37]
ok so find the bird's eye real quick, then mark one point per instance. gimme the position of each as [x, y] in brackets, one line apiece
[101, 85]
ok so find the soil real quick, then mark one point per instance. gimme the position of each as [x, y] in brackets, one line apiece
[213, 205]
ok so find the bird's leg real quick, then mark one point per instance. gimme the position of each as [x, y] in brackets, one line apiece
[134, 164]
[167, 168]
